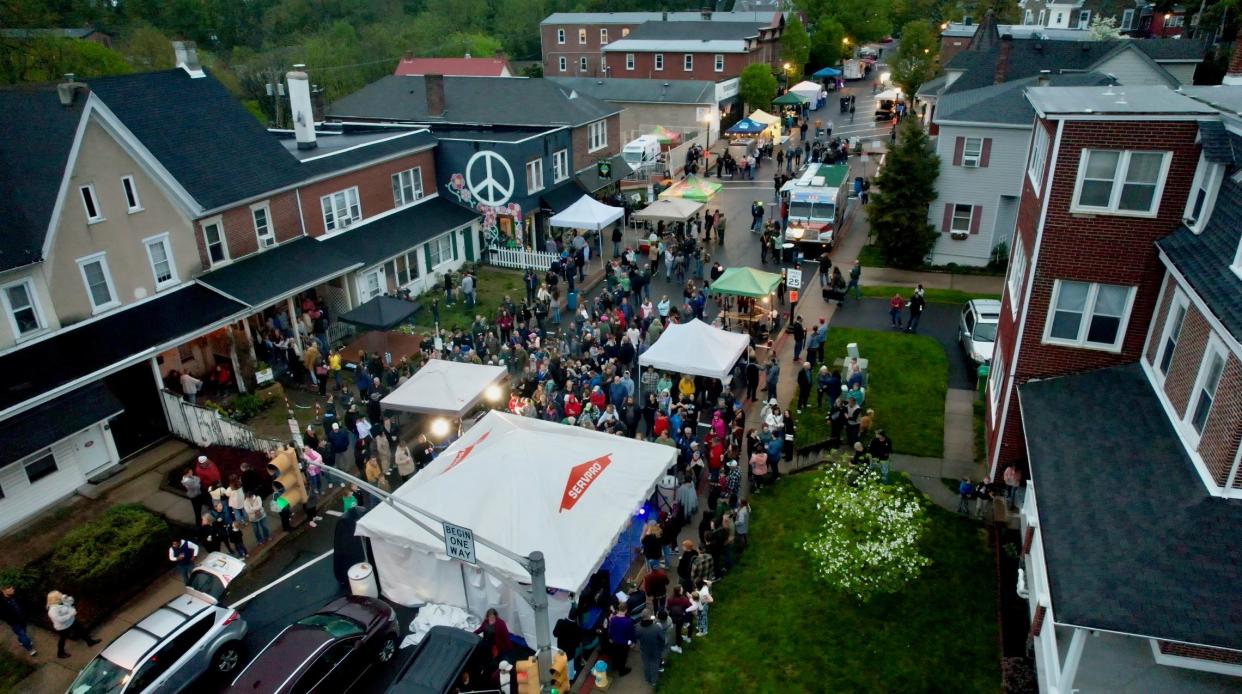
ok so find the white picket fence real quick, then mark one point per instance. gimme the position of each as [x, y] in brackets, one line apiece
[520, 259]
[204, 427]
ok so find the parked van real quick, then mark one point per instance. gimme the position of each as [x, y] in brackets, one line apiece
[643, 152]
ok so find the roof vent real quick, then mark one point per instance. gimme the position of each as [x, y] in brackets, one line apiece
[186, 54]
[68, 90]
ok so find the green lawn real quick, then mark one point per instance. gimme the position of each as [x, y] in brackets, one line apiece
[908, 380]
[774, 629]
[934, 296]
[12, 671]
[491, 286]
[870, 256]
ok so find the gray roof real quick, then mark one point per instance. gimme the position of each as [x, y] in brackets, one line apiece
[343, 151]
[1227, 98]
[470, 100]
[1216, 142]
[376, 241]
[763, 16]
[1004, 103]
[32, 166]
[626, 90]
[1119, 99]
[698, 31]
[44, 425]
[67, 33]
[1204, 258]
[263, 278]
[1028, 58]
[1131, 537]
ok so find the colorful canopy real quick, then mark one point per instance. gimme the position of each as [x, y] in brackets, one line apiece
[746, 281]
[826, 72]
[692, 188]
[789, 99]
[746, 126]
[666, 136]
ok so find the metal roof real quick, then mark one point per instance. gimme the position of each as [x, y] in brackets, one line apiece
[646, 91]
[1118, 100]
[676, 46]
[640, 17]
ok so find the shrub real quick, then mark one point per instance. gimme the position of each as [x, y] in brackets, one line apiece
[97, 558]
[247, 406]
[868, 538]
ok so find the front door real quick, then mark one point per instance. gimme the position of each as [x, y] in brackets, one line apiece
[91, 451]
[142, 423]
[370, 284]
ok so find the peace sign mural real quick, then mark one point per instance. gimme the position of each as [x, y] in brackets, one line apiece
[489, 178]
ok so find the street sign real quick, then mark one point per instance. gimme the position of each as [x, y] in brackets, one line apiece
[459, 543]
[793, 296]
[793, 278]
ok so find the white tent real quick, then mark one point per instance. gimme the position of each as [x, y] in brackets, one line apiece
[810, 91]
[587, 213]
[761, 116]
[525, 485]
[696, 348]
[446, 388]
[669, 210]
[891, 94]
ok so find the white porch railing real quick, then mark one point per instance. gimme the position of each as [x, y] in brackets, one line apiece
[520, 259]
[204, 427]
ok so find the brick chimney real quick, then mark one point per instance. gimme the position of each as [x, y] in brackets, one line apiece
[434, 84]
[1233, 76]
[1002, 59]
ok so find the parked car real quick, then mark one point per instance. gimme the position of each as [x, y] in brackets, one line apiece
[446, 660]
[213, 575]
[328, 651]
[976, 329]
[188, 637]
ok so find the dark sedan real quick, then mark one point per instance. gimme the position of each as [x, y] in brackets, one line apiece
[328, 651]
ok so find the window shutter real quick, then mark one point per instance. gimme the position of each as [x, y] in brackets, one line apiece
[986, 153]
[959, 145]
[976, 214]
[427, 255]
[948, 217]
[453, 240]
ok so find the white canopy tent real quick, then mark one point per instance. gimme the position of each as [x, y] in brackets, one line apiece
[810, 91]
[891, 94]
[696, 348]
[525, 485]
[445, 388]
[669, 210]
[587, 213]
[761, 116]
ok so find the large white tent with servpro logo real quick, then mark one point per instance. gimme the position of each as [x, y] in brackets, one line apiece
[525, 485]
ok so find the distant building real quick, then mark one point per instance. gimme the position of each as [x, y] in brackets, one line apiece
[468, 66]
[682, 105]
[82, 34]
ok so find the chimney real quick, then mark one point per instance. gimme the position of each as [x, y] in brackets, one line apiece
[706, 14]
[1045, 78]
[300, 107]
[434, 84]
[68, 90]
[1233, 76]
[665, 17]
[186, 54]
[1002, 59]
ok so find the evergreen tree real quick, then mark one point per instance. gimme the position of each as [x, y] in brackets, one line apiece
[907, 186]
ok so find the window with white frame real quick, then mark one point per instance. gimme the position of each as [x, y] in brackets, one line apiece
[603, 36]
[687, 62]
[625, 31]
[1017, 272]
[561, 64]
[1176, 20]
[582, 64]
[534, 175]
[996, 379]
[340, 209]
[1086, 314]
[1208, 177]
[1172, 331]
[659, 61]
[1043, 14]
[1029, 18]
[582, 37]
[719, 62]
[263, 231]
[25, 318]
[40, 467]
[1120, 182]
[560, 36]
[597, 135]
[98, 281]
[213, 238]
[960, 223]
[1206, 383]
[130, 188]
[629, 61]
[1127, 19]
[407, 186]
[159, 254]
[1039, 153]
[1084, 19]
[90, 202]
[560, 165]
[371, 283]
[972, 151]
[407, 268]
[441, 250]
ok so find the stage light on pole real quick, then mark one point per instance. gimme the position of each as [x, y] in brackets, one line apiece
[493, 393]
[439, 427]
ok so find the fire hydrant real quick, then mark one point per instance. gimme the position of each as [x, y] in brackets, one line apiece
[600, 672]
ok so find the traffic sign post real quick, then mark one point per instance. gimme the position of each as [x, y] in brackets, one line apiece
[793, 278]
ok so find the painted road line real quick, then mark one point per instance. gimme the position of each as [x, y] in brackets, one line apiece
[237, 604]
[335, 514]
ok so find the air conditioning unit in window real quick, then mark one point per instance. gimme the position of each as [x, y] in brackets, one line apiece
[970, 163]
[959, 235]
[345, 222]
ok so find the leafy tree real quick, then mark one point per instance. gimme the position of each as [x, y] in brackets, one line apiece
[757, 86]
[146, 48]
[827, 47]
[795, 48]
[1104, 29]
[867, 542]
[906, 187]
[47, 59]
[915, 62]
[864, 20]
[516, 24]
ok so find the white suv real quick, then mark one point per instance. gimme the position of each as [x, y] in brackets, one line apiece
[976, 328]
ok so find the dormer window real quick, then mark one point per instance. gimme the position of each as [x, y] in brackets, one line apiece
[1208, 177]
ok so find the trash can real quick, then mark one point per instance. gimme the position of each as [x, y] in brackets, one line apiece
[982, 374]
[362, 580]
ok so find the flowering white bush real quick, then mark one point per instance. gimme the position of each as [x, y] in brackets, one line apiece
[868, 539]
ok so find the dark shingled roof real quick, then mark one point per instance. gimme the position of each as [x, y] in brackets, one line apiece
[1204, 258]
[704, 31]
[33, 155]
[1027, 58]
[44, 425]
[263, 278]
[1217, 144]
[383, 238]
[82, 350]
[312, 165]
[633, 90]
[1005, 102]
[490, 100]
[1133, 541]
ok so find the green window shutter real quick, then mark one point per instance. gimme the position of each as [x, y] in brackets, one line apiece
[467, 235]
[453, 239]
[427, 255]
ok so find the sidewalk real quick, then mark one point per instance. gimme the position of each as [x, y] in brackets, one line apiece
[971, 284]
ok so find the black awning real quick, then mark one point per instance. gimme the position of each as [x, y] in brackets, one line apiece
[77, 352]
[42, 426]
[559, 199]
[381, 313]
[590, 179]
[294, 266]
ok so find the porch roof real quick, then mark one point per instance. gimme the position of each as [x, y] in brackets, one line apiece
[293, 266]
[55, 419]
[376, 241]
[1133, 542]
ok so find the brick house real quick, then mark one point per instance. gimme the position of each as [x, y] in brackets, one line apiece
[691, 50]
[1116, 384]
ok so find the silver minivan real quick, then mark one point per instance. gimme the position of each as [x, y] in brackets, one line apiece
[185, 638]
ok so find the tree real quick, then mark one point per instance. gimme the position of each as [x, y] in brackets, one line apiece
[795, 48]
[1104, 29]
[757, 86]
[827, 45]
[907, 186]
[146, 48]
[867, 542]
[915, 62]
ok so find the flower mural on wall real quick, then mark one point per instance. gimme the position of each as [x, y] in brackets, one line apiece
[495, 234]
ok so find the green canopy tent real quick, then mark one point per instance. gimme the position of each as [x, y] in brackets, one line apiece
[746, 281]
[789, 99]
[692, 188]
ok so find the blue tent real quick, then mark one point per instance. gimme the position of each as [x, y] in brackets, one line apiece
[826, 72]
[746, 126]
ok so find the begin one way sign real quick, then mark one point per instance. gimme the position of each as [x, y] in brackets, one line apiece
[459, 543]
